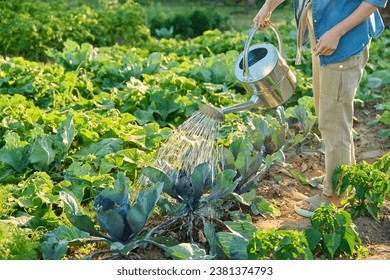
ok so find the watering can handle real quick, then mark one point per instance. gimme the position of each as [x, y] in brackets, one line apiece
[252, 33]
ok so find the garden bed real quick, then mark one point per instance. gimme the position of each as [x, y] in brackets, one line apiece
[284, 192]
[81, 124]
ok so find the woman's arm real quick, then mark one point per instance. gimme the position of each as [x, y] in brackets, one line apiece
[328, 42]
[262, 18]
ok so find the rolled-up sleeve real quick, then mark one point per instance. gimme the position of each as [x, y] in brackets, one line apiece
[378, 3]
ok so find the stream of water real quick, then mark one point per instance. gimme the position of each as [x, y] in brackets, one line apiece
[192, 143]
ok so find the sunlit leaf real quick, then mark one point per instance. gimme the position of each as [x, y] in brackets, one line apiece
[64, 138]
[102, 148]
[244, 228]
[14, 152]
[261, 207]
[155, 176]
[233, 245]
[42, 154]
[186, 251]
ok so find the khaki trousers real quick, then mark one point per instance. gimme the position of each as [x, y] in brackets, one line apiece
[334, 89]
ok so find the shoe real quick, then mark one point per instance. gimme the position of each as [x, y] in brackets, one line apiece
[317, 182]
[319, 179]
[315, 202]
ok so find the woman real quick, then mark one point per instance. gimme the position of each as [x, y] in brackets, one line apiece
[339, 32]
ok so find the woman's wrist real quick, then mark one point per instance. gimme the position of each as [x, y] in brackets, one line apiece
[271, 5]
[339, 30]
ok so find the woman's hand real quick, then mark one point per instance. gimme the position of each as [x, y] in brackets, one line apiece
[262, 18]
[328, 43]
[330, 40]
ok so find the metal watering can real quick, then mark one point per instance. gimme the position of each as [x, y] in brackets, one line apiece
[264, 73]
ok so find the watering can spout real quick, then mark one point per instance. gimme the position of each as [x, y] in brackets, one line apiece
[212, 112]
[254, 102]
[219, 114]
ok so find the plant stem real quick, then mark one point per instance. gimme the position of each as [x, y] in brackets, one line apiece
[91, 256]
[81, 241]
[162, 225]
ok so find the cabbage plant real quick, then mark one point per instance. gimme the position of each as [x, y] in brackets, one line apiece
[242, 156]
[246, 160]
[117, 217]
[121, 221]
[190, 188]
[194, 192]
[267, 133]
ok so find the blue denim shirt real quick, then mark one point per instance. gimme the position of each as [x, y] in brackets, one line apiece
[327, 13]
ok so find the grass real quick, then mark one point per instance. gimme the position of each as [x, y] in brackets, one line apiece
[240, 17]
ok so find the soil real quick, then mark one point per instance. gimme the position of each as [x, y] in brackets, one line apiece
[285, 192]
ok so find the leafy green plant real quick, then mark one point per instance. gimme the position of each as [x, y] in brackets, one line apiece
[385, 119]
[301, 121]
[241, 156]
[121, 221]
[43, 151]
[248, 162]
[37, 197]
[279, 245]
[245, 241]
[231, 244]
[7, 199]
[55, 243]
[334, 234]
[376, 86]
[15, 243]
[289, 128]
[47, 24]
[268, 134]
[195, 193]
[366, 186]
[375, 83]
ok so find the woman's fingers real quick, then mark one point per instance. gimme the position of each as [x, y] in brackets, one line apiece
[263, 24]
[321, 49]
[262, 19]
[327, 44]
